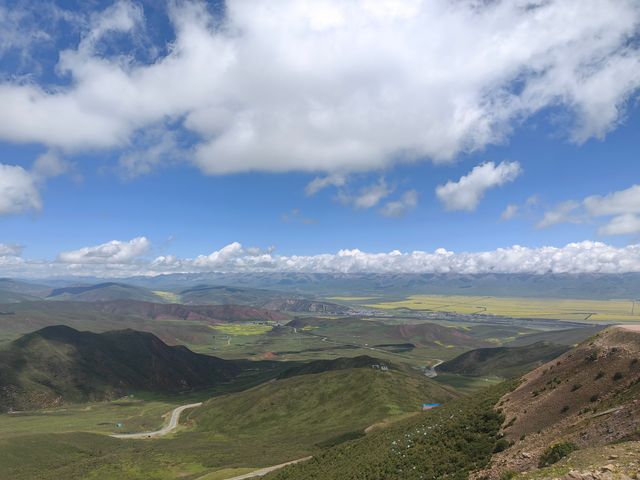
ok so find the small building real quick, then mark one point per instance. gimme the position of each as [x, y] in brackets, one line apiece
[429, 406]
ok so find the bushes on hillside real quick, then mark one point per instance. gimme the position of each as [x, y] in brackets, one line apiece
[446, 443]
[556, 453]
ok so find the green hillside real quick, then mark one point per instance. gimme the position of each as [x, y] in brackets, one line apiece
[318, 406]
[444, 443]
[103, 292]
[506, 362]
[59, 364]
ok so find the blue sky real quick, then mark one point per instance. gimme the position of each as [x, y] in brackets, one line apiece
[194, 126]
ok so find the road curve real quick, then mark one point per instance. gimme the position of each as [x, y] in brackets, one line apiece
[173, 423]
[431, 372]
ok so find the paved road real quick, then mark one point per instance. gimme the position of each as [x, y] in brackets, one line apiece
[173, 423]
[263, 471]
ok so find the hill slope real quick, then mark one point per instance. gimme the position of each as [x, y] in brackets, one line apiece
[444, 444]
[589, 397]
[103, 292]
[59, 364]
[325, 405]
[504, 362]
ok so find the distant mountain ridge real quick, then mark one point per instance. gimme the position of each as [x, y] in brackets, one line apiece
[59, 364]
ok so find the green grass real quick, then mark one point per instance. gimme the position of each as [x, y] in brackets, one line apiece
[242, 329]
[259, 426]
[446, 443]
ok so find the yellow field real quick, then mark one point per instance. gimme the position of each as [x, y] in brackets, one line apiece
[168, 296]
[350, 299]
[562, 309]
[242, 329]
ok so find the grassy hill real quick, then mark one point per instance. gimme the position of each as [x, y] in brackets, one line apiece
[221, 294]
[506, 362]
[319, 366]
[174, 324]
[568, 336]
[104, 292]
[445, 443]
[313, 408]
[59, 364]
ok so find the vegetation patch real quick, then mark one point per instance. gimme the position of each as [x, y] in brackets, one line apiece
[556, 452]
[243, 329]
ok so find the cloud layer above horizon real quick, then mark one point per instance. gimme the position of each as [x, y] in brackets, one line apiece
[127, 258]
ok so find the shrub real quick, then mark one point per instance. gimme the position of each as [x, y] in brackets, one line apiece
[564, 409]
[556, 453]
[508, 475]
[501, 445]
[576, 386]
[617, 376]
[594, 398]
[599, 375]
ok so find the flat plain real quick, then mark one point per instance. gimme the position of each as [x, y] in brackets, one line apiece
[582, 310]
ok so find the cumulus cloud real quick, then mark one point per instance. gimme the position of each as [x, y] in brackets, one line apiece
[115, 251]
[615, 203]
[466, 193]
[368, 196]
[125, 258]
[583, 257]
[400, 207]
[336, 86]
[621, 225]
[18, 190]
[623, 206]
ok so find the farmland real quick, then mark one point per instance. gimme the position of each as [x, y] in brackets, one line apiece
[519, 307]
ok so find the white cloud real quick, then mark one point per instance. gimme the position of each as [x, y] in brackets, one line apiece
[125, 258]
[466, 193]
[320, 183]
[565, 212]
[10, 250]
[116, 252]
[511, 211]
[398, 208]
[621, 225]
[18, 190]
[337, 86]
[48, 165]
[623, 206]
[583, 257]
[616, 203]
[367, 197]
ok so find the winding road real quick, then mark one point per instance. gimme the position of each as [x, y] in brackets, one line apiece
[172, 425]
[431, 372]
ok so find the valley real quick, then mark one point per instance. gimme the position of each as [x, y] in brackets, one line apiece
[115, 386]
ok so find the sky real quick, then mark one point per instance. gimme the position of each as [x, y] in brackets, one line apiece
[146, 137]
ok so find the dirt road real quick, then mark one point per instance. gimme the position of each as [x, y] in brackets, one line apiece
[263, 471]
[173, 423]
